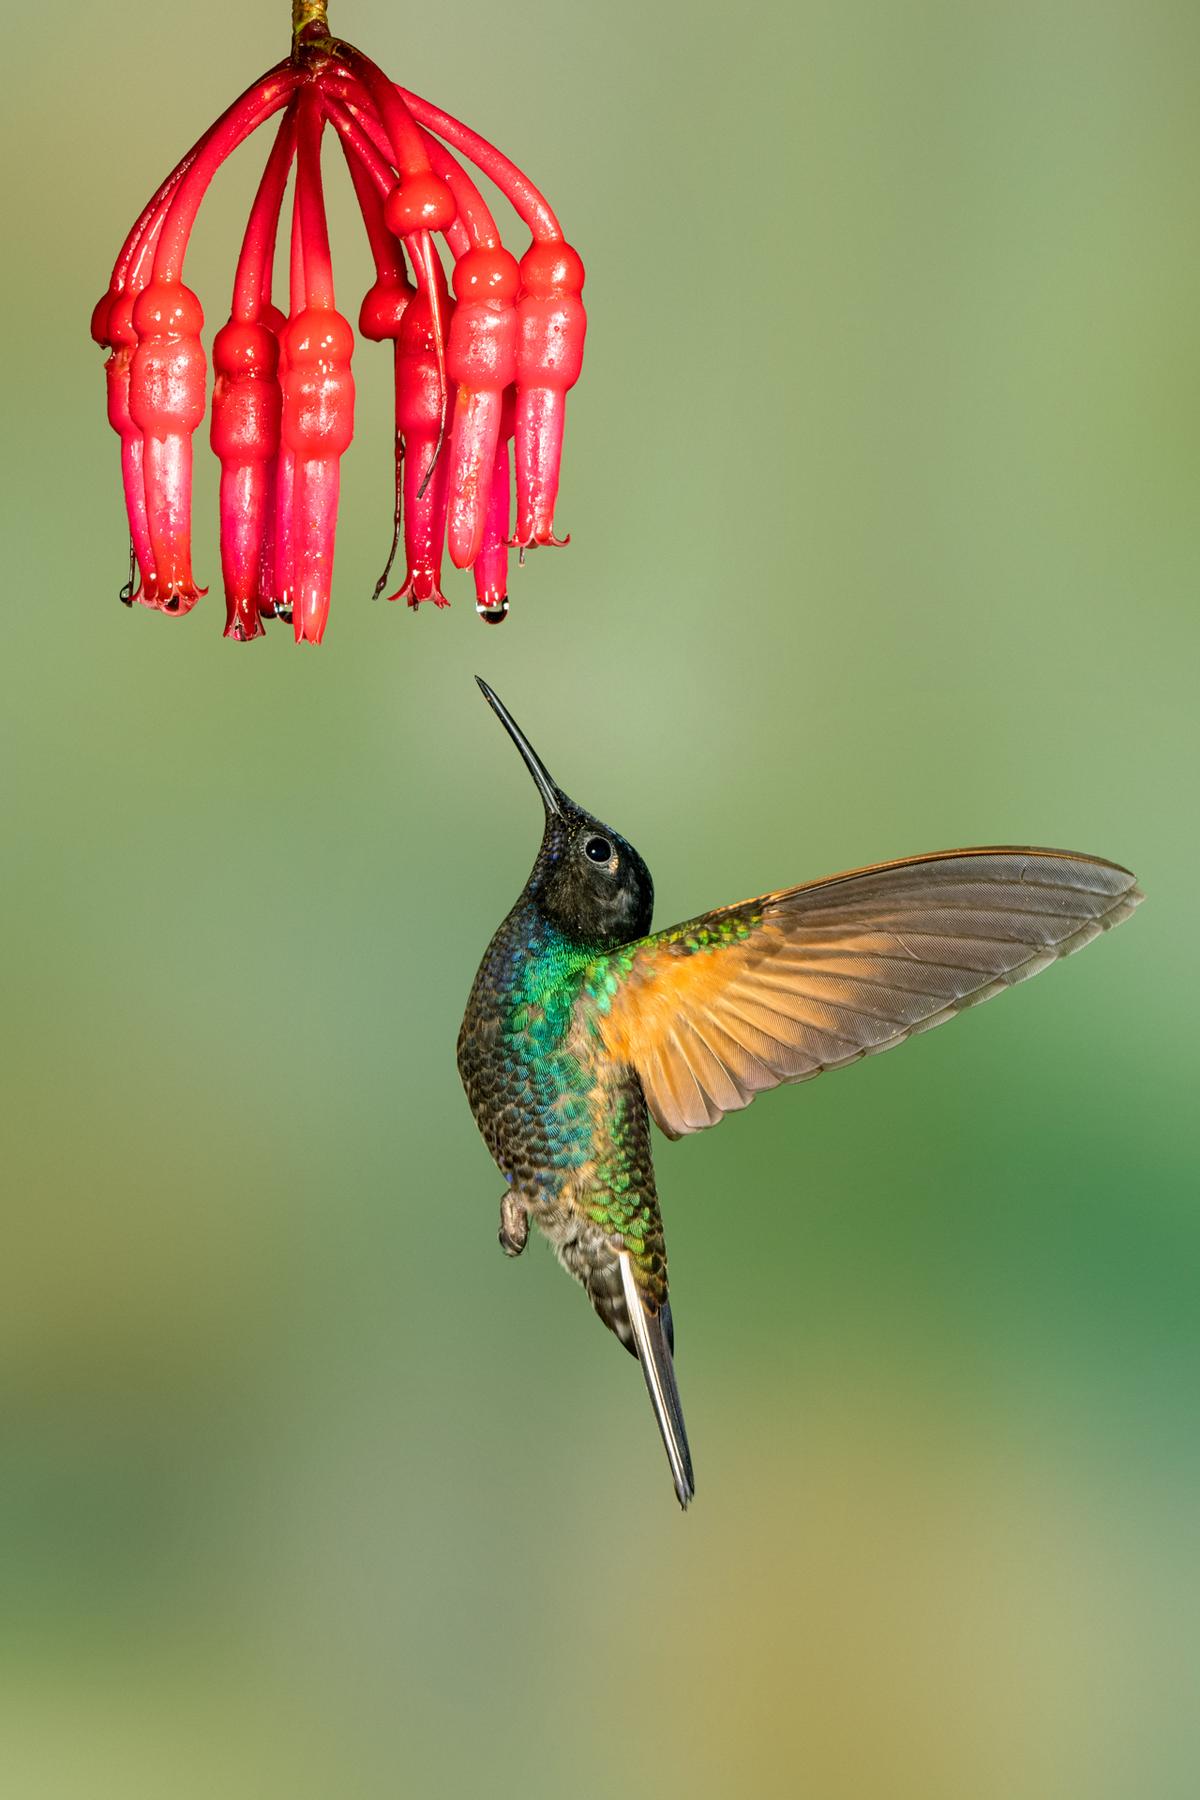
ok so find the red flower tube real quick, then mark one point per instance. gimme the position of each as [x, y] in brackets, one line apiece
[268, 591]
[247, 401]
[481, 358]
[168, 374]
[166, 403]
[280, 574]
[551, 327]
[112, 326]
[117, 326]
[491, 565]
[318, 392]
[420, 420]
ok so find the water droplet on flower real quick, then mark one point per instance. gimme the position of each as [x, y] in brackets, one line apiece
[493, 615]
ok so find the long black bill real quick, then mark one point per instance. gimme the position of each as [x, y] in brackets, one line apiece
[551, 796]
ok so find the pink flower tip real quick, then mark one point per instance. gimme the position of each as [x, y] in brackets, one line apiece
[421, 585]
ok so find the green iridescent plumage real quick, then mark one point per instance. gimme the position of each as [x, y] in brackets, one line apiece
[567, 1126]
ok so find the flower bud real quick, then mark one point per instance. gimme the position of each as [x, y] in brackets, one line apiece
[421, 202]
[383, 309]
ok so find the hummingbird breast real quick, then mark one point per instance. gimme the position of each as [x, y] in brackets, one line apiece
[568, 1128]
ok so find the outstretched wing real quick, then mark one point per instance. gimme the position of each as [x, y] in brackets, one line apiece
[712, 1012]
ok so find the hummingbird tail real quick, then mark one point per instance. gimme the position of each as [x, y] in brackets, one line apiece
[652, 1337]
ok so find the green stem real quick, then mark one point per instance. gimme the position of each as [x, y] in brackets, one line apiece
[310, 20]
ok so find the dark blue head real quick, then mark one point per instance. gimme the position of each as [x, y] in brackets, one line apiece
[588, 880]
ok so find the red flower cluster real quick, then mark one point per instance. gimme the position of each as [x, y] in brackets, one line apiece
[491, 364]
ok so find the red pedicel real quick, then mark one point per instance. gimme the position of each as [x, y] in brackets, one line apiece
[494, 363]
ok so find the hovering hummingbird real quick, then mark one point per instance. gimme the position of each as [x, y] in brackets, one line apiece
[582, 1025]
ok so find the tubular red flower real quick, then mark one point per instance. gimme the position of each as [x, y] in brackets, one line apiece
[482, 360]
[112, 326]
[551, 328]
[166, 403]
[419, 419]
[168, 373]
[121, 337]
[481, 356]
[318, 391]
[247, 400]
[267, 589]
[468, 374]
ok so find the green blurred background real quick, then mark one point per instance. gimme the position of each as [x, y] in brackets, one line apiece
[881, 480]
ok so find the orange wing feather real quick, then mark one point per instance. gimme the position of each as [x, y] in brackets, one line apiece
[777, 989]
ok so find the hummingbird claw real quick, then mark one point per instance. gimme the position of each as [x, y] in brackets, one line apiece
[514, 1225]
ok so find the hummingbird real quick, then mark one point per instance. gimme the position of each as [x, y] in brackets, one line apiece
[582, 1024]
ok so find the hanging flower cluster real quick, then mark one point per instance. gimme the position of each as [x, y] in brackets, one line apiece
[477, 368]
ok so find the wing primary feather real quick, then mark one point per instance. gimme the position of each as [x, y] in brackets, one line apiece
[751, 1073]
[826, 1000]
[711, 1073]
[709, 1113]
[652, 1339]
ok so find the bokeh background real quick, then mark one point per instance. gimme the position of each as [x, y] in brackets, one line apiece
[881, 480]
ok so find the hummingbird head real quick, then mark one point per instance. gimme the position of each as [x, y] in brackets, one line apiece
[588, 880]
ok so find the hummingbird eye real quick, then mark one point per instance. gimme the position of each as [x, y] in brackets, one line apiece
[598, 850]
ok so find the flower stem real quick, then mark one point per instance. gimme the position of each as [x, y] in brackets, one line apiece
[310, 19]
[236, 123]
[373, 180]
[516, 187]
[252, 283]
[310, 198]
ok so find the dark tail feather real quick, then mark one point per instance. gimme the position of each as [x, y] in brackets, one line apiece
[653, 1337]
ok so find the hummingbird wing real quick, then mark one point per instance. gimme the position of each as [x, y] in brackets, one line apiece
[773, 990]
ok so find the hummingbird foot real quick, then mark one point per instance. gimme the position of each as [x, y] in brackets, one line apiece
[514, 1225]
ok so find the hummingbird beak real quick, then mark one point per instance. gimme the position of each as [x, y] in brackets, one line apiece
[551, 798]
